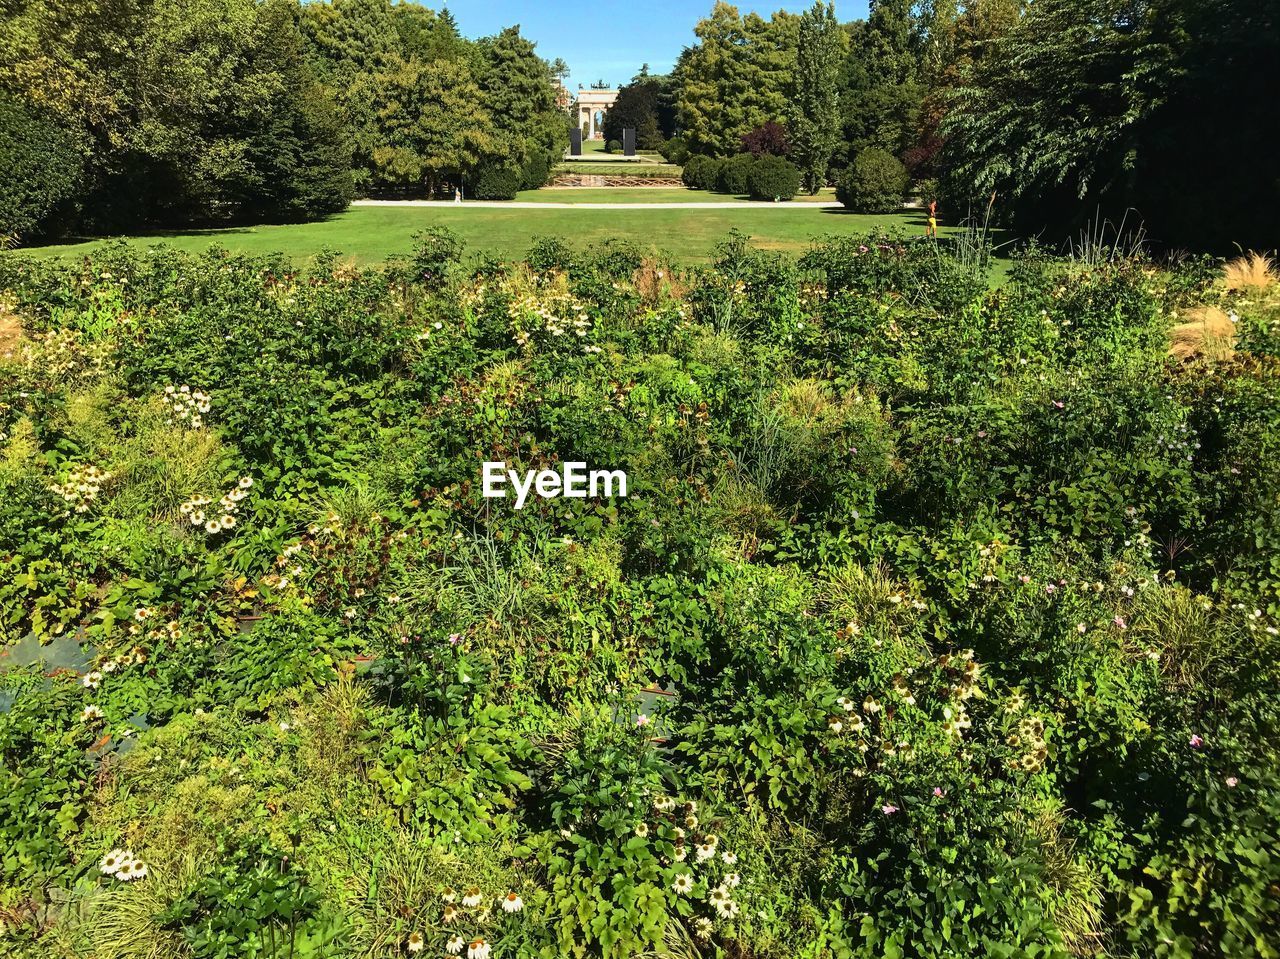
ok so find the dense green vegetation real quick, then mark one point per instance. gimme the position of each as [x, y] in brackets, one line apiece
[960, 606]
[117, 114]
[1071, 111]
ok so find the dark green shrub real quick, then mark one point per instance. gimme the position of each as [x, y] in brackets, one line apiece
[733, 174]
[613, 146]
[675, 151]
[876, 182]
[496, 183]
[536, 173]
[701, 173]
[773, 178]
[42, 170]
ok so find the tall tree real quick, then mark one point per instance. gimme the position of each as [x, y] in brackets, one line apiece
[644, 106]
[1054, 119]
[518, 92]
[433, 127]
[737, 77]
[814, 122]
[882, 81]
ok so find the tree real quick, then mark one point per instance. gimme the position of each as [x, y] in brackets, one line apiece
[516, 85]
[1053, 120]
[737, 77]
[814, 122]
[874, 183]
[639, 107]
[42, 167]
[432, 125]
[769, 137]
[882, 81]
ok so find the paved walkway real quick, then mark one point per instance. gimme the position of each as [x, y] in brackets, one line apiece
[525, 205]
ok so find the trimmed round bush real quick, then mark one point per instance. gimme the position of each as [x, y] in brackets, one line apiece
[675, 151]
[41, 173]
[733, 174]
[496, 183]
[773, 178]
[536, 172]
[875, 182]
[701, 173]
[613, 146]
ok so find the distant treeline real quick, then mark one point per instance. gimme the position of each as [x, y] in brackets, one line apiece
[118, 113]
[1066, 110]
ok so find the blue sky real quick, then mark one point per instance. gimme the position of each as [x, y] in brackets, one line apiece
[608, 39]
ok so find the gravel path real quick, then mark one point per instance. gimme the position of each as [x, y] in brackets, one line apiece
[522, 205]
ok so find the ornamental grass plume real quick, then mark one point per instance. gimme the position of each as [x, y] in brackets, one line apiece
[1253, 271]
[1207, 332]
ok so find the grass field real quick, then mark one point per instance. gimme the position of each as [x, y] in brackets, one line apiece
[371, 234]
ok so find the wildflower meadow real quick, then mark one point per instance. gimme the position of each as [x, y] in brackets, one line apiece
[937, 619]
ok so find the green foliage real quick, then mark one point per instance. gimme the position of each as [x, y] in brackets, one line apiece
[772, 178]
[43, 167]
[734, 78]
[642, 105]
[876, 182]
[732, 174]
[1076, 113]
[938, 620]
[814, 120]
[701, 173]
[496, 183]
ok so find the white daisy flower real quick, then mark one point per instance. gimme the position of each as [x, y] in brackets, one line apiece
[683, 884]
[512, 903]
[92, 680]
[90, 713]
[110, 863]
[455, 945]
[478, 949]
[416, 942]
[472, 898]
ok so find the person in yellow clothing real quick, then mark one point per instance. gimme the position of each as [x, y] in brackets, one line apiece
[932, 228]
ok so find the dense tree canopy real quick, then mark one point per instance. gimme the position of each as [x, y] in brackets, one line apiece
[1091, 108]
[186, 111]
[644, 105]
[738, 76]
[815, 106]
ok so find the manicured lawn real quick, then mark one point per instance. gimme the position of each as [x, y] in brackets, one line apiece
[371, 234]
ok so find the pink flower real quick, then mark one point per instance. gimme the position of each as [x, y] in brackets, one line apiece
[1050, 588]
[1232, 782]
[1196, 741]
[888, 810]
[642, 720]
[455, 639]
[937, 791]
[1024, 579]
[1119, 621]
[1059, 404]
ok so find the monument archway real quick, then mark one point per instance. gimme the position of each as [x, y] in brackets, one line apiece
[593, 106]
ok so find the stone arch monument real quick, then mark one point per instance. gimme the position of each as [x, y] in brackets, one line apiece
[592, 107]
